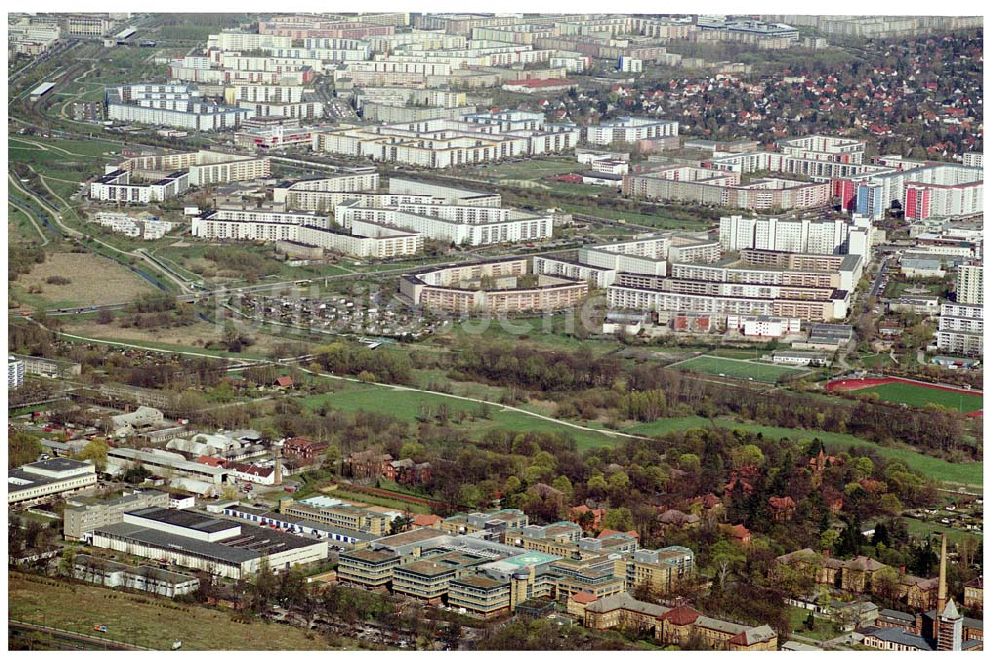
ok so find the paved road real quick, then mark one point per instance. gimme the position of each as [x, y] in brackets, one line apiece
[71, 636]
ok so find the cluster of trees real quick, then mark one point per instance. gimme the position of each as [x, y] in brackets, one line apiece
[929, 429]
[525, 634]
[241, 262]
[534, 369]
[379, 364]
[22, 257]
[154, 310]
[22, 448]
[30, 536]
[27, 337]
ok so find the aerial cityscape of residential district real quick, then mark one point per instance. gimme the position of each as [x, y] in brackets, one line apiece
[495, 331]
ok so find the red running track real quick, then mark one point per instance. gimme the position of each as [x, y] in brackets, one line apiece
[856, 384]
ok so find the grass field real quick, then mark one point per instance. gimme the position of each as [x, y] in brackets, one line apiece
[969, 474]
[94, 281]
[19, 227]
[407, 405]
[919, 396]
[823, 630]
[658, 221]
[526, 170]
[412, 507]
[144, 620]
[77, 148]
[922, 528]
[191, 338]
[742, 369]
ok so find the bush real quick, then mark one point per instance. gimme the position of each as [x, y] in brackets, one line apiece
[57, 279]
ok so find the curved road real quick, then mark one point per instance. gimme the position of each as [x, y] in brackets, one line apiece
[326, 375]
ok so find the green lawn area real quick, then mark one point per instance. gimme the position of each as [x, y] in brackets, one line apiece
[922, 528]
[89, 148]
[872, 360]
[969, 474]
[658, 221]
[19, 228]
[413, 507]
[406, 405]
[823, 630]
[145, 620]
[919, 396]
[526, 170]
[742, 369]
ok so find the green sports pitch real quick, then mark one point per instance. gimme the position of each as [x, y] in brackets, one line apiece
[920, 396]
[739, 369]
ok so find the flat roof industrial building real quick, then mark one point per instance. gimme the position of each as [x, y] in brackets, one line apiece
[200, 541]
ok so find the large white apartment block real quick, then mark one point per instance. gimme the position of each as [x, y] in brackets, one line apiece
[244, 41]
[252, 93]
[328, 201]
[649, 300]
[441, 143]
[973, 160]
[301, 109]
[231, 170]
[475, 226]
[147, 228]
[149, 178]
[925, 191]
[171, 105]
[630, 130]
[15, 373]
[449, 195]
[969, 285]
[596, 276]
[960, 329]
[366, 180]
[801, 236]
[364, 240]
[651, 255]
[961, 317]
[825, 148]
[115, 185]
[956, 342]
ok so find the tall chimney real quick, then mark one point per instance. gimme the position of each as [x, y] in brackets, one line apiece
[277, 466]
[942, 598]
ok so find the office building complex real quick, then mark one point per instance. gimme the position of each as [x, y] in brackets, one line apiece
[83, 515]
[46, 478]
[205, 543]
